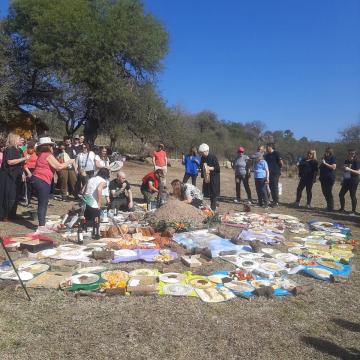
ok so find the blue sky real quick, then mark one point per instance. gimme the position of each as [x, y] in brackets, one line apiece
[292, 64]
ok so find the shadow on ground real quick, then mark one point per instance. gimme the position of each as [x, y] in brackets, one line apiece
[330, 348]
[346, 324]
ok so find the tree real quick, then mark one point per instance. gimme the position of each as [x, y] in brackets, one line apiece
[78, 57]
[351, 134]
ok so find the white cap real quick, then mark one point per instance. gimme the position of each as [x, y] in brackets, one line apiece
[45, 141]
[204, 147]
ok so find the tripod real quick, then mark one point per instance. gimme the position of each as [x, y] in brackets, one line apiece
[14, 267]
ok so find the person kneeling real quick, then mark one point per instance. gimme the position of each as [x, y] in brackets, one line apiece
[120, 193]
[187, 193]
[150, 187]
[93, 194]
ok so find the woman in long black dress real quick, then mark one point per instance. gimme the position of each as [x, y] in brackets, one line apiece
[210, 172]
[11, 177]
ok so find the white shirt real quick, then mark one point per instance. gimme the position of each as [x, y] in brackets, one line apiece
[91, 192]
[103, 163]
[88, 165]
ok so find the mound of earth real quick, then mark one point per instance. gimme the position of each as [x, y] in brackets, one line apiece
[175, 211]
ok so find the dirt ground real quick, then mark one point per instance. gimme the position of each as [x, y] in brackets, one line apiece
[322, 325]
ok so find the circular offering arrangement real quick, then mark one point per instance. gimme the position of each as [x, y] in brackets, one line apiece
[178, 289]
[115, 276]
[84, 279]
[201, 283]
[172, 278]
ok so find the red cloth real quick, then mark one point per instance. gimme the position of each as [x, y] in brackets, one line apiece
[43, 170]
[13, 238]
[160, 157]
[31, 162]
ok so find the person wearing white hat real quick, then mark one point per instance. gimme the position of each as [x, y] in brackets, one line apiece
[210, 172]
[43, 175]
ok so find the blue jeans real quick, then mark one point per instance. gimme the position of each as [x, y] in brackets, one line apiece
[260, 185]
[43, 192]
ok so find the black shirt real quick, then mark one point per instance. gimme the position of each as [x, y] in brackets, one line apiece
[12, 153]
[354, 165]
[273, 160]
[324, 170]
[115, 185]
[308, 169]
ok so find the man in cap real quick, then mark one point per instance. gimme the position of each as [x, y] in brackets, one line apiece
[242, 173]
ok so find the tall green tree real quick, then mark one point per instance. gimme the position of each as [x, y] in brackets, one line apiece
[77, 57]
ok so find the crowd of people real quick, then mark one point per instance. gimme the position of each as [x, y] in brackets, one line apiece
[37, 169]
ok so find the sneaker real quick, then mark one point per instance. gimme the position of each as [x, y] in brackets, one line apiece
[275, 204]
[341, 210]
[352, 214]
[308, 206]
[43, 230]
[296, 204]
[237, 201]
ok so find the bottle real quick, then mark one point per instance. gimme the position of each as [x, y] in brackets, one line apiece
[80, 235]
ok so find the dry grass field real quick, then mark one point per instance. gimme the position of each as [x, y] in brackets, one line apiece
[324, 324]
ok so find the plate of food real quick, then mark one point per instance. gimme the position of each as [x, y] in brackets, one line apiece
[321, 273]
[248, 264]
[125, 253]
[259, 283]
[330, 264]
[163, 258]
[271, 267]
[84, 279]
[172, 278]
[239, 286]
[11, 275]
[177, 289]
[143, 272]
[286, 257]
[217, 279]
[214, 295]
[91, 269]
[36, 268]
[115, 276]
[251, 256]
[201, 283]
[47, 253]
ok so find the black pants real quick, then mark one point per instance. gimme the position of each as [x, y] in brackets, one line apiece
[188, 176]
[308, 184]
[91, 214]
[274, 187]
[121, 203]
[245, 180]
[350, 186]
[42, 189]
[261, 192]
[327, 184]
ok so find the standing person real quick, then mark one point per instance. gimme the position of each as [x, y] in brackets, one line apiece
[261, 175]
[242, 173]
[327, 177]
[350, 181]
[192, 163]
[93, 194]
[69, 148]
[308, 169]
[275, 163]
[11, 177]
[102, 159]
[2, 149]
[43, 174]
[67, 175]
[86, 165]
[160, 160]
[210, 172]
[120, 193]
[76, 145]
[29, 168]
[150, 186]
